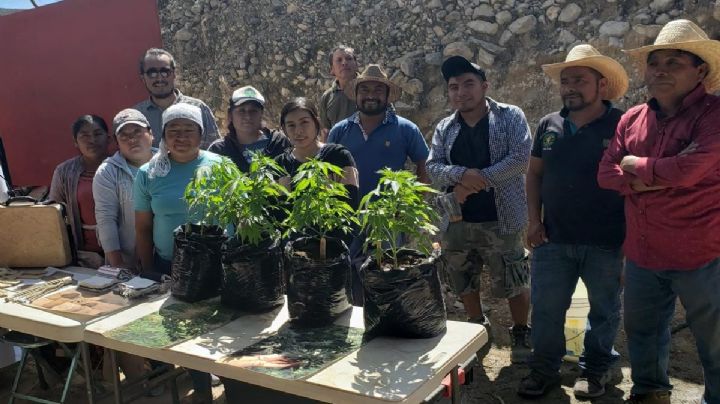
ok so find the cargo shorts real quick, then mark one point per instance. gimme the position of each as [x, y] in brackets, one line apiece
[468, 247]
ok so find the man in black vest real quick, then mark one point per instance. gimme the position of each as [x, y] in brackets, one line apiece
[576, 229]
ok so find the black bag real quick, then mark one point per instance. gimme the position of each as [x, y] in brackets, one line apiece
[407, 302]
[252, 276]
[196, 262]
[316, 289]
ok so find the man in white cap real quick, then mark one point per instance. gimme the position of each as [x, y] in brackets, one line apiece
[479, 157]
[665, 159]
[576, 229]
[246, 133]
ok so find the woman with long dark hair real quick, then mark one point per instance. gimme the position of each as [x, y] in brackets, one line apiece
[72, 184]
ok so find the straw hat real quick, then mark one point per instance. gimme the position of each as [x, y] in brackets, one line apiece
[373, 73]
[586, 56]
[685, 35]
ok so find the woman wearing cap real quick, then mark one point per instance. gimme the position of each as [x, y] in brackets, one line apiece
[114, 212]
[159, 204]
[72, 184]
[112, 188]
[246, 133]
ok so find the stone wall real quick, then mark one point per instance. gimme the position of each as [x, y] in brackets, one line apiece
[280, 46]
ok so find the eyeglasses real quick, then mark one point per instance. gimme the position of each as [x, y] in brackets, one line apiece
[163, 72]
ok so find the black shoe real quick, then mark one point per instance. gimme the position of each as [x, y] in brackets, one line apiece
[520, 344]
[536, 385]
[589, 386]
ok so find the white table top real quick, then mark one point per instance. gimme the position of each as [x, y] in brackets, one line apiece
[384, 370]
[41, 323]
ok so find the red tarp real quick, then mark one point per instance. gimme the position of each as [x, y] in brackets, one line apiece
[63, 60]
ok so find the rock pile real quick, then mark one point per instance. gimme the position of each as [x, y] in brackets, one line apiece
[281, 46]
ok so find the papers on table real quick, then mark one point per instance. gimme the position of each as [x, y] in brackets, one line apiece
[139, 283]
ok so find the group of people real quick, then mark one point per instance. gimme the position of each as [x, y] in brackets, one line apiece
[597, 177]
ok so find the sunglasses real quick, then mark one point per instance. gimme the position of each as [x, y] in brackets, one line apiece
[163, 72]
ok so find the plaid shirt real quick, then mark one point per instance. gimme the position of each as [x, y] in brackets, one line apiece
[510, 144]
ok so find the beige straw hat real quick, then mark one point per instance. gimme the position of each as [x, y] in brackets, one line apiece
[586, 56]
[373, 73]
[687, 36]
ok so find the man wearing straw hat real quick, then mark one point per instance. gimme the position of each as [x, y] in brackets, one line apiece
[479, 156]
[375, 135]
[377, 138]
[665, 159]
[575, 228]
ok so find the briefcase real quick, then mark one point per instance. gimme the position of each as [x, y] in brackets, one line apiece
[34, 234]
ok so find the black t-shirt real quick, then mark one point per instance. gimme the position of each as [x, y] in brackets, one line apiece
[273, 144]
[471, 149]
[335, 154]
[575, 209]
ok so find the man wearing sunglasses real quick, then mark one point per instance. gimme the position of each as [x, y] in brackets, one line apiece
[157, 72]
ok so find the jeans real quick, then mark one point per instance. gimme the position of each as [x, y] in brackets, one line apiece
[649, 307]
[555, 270]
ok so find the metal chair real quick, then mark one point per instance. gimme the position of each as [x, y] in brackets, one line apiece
[30, 344]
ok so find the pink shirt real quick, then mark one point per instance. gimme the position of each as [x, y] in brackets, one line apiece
[86, 205]
[678, 227]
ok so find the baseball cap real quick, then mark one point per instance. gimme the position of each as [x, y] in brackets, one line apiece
[245, 94]
[457, 65]
[128, 116]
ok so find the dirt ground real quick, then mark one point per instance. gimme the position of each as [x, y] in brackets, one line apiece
[494, 383]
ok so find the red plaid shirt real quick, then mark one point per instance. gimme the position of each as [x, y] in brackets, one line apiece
[678, 227]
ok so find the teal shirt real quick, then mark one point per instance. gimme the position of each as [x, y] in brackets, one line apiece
[163, 196]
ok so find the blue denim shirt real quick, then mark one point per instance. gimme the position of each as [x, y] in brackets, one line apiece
[510, 144]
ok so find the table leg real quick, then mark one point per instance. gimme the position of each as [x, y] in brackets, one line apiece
[116, 377]
[87, 365]
[455, 385]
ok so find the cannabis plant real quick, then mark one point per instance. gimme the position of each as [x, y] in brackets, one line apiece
[319, 204]
[247, 201]
[204, 193]
[396, 207]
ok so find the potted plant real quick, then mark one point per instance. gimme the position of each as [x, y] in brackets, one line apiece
[403, 296]
[252, 259]
[196, 262]
[317, 261]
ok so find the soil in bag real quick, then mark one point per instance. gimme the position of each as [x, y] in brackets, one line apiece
[196, 263]
[252, 276]
[316, 289]
[405, 302]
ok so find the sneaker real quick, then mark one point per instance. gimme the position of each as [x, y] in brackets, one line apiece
[520, 344]
[589, 386]
[656, 397]
[536, 385]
